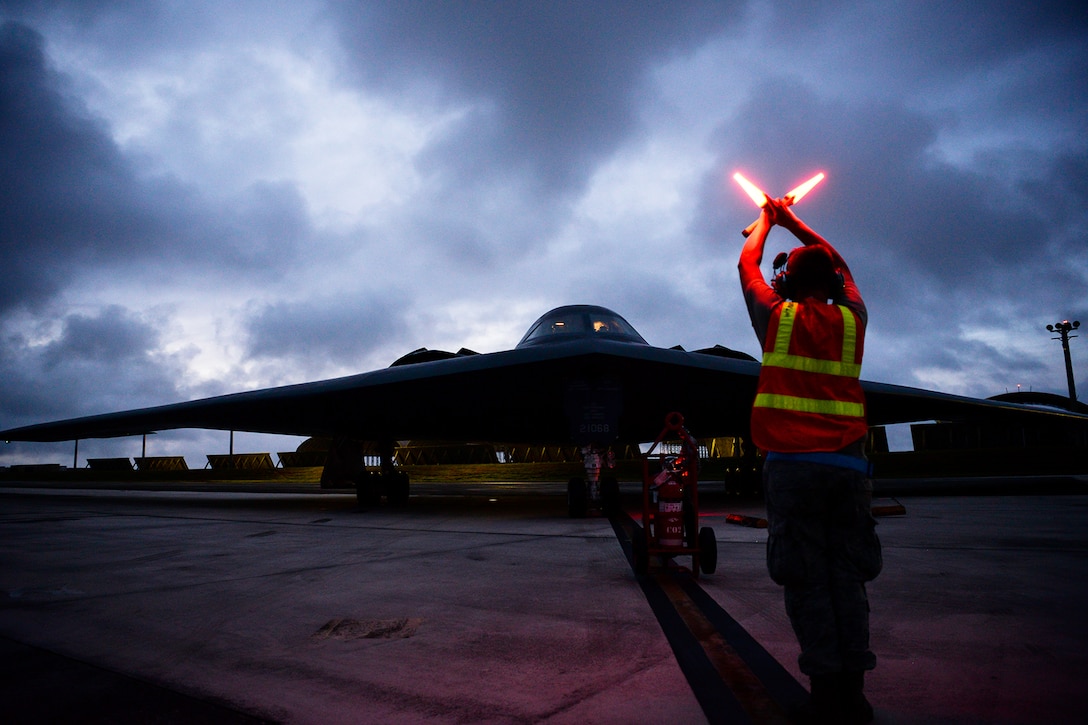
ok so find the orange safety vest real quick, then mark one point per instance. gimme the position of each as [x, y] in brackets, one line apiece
[809, 397]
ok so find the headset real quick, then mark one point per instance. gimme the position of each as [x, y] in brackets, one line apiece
[781, 284]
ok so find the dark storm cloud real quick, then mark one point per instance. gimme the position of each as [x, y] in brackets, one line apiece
[341, 331]
[70, 200]
[954, 38]
[929, 39]
[58, 172]
[554, 82]
[97, 363]
[888, 192]
[129, 28]
[940, 249]
[114, 336]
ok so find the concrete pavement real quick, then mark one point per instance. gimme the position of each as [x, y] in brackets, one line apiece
[486, 604]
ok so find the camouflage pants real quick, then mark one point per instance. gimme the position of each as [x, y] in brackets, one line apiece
[822, 548]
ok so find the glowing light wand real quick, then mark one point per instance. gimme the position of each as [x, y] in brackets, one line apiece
[760, 197]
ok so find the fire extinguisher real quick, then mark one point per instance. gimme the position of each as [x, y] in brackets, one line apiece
[670, 510]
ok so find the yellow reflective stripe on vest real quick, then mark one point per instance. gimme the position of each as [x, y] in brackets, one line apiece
[809, 405]
[785, 328]
[811, 365]
[779, 357]
[849, 336]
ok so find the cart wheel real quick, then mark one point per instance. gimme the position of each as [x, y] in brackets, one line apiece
[642, 556]
[708, 550]
[576, 498]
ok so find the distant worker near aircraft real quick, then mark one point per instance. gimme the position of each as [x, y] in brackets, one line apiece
[809, 419]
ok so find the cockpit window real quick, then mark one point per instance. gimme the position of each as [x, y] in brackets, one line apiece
[581, 321]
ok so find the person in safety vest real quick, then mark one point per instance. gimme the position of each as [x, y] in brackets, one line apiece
[809, 419]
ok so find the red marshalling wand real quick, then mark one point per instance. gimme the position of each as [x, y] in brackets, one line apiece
[760, 198]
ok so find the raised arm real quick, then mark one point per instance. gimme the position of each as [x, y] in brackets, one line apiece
[783, 216]
[751, 255]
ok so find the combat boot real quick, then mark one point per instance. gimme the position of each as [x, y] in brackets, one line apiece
[822, 707]
[856, 710]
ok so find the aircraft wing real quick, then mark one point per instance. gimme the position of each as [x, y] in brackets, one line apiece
[547, 394]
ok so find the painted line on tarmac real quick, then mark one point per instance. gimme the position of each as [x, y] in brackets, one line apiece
[734, 679]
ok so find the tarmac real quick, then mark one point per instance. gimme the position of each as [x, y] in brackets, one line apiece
[484, 603]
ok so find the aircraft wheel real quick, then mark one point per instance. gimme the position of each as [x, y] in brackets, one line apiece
[366, 490]
[610, 494]
[397, 489]
[576, 498]
[708, 550]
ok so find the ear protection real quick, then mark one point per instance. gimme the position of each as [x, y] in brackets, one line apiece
[782, 285]
[780, 282]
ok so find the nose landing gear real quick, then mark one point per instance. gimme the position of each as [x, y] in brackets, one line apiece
[595, 494]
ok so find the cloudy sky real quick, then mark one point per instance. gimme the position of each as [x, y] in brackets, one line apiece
[204, 197]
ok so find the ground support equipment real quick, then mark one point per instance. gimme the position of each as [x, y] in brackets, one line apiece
[670, 504]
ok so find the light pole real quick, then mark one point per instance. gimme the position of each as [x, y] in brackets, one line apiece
[1063, 328]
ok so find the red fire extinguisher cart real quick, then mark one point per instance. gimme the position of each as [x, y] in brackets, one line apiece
[670, 503]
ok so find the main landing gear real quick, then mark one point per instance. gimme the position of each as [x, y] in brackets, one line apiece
[387, 481]
[372, 485]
